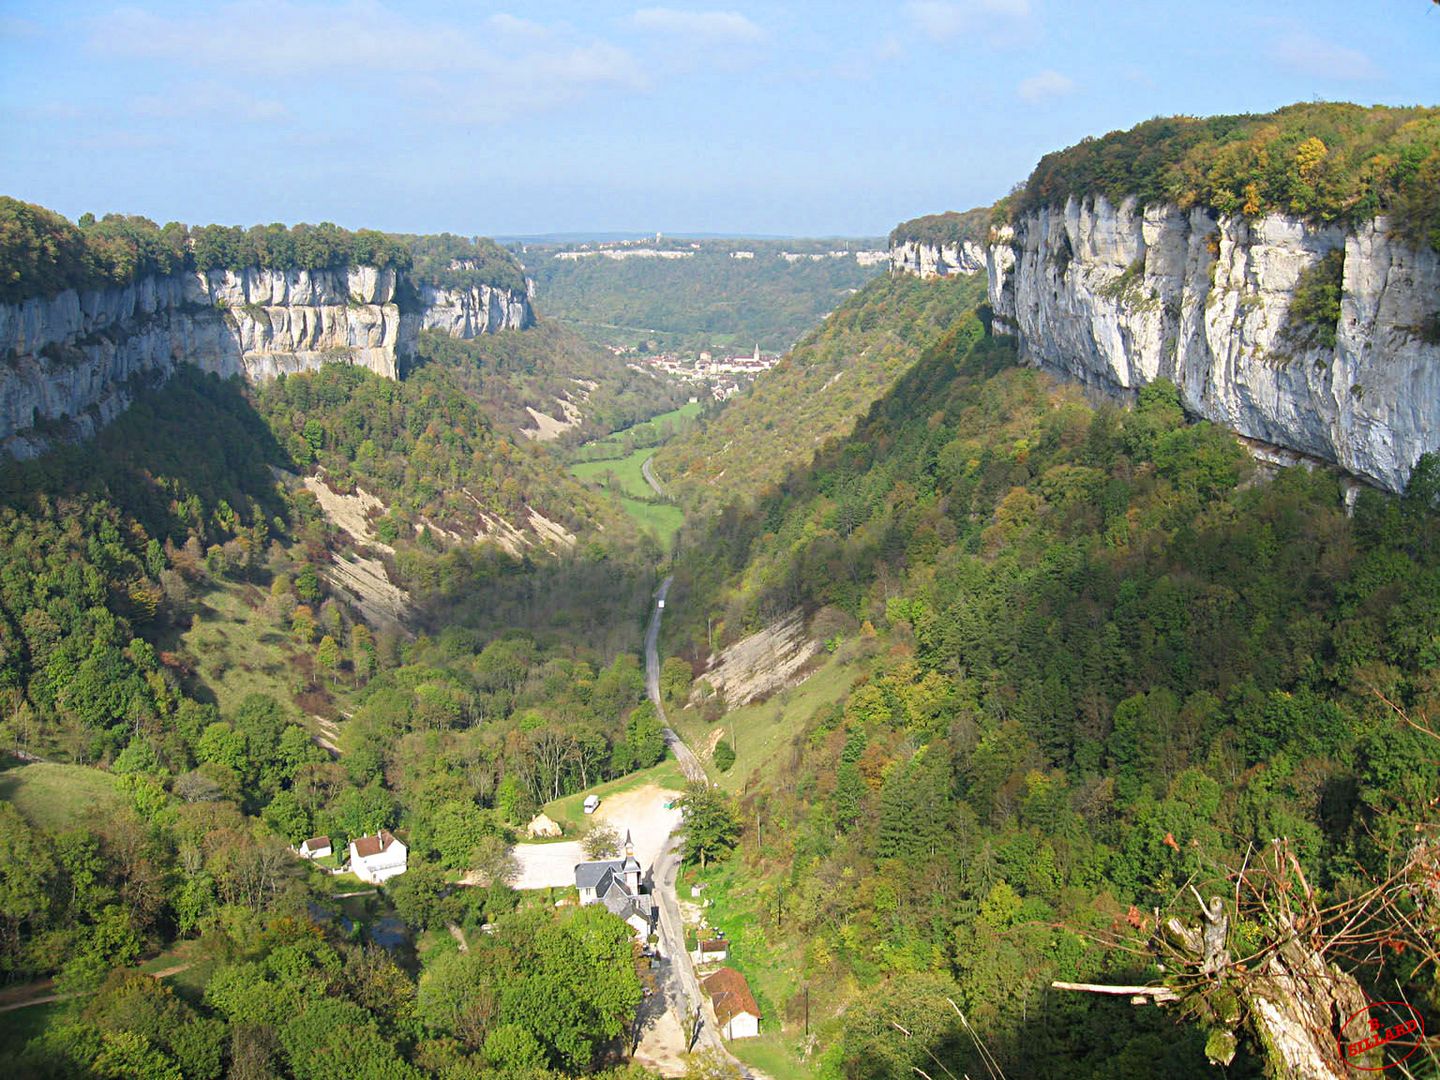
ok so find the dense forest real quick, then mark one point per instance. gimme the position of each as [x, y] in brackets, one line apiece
[1092, 657]
[707, 300]
[1323, 161]
[43, 253]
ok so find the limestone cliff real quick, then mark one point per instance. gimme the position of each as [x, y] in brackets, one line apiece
[927, 259]
[479, 309]
[68, 361]
[1116, 296]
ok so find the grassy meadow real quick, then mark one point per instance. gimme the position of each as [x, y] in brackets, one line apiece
[56, 797]
[615, 465]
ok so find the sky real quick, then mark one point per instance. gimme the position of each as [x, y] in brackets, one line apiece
[802, 119]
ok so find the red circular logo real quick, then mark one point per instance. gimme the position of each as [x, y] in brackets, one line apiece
[1381, 1036]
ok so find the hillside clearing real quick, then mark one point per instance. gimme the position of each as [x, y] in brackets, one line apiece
[56, 797]
[764, 730]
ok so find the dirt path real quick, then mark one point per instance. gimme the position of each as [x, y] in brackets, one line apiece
[165, 973]
[45, 1000]
[22, 997]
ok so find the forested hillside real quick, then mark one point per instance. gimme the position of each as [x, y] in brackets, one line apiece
[169, 633]
[817, 392]
[706, 300]
[555, 371]
[1093, 656]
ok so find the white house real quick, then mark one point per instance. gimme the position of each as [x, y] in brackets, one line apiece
[616, 883]
[377, 858]
[592, 803]
[317, 847]
[735, 1006]
[712, 951]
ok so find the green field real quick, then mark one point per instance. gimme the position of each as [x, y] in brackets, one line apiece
[763, 731]
[647, 431]
[621, 474]
[570, 811]
[628, 479]
[55, 797]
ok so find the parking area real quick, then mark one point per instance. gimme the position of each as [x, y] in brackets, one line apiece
[641, 811]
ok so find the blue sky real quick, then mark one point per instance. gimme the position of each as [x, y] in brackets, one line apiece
[789, 118]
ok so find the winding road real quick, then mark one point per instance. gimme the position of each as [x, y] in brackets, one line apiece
[683, 986]
[649, 475]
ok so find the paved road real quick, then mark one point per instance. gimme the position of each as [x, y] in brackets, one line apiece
[650, 479]
[689, 763]
[683, 987]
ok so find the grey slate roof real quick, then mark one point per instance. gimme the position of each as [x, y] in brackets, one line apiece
[588, 875]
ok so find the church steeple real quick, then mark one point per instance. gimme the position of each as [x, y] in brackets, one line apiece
[631, 866]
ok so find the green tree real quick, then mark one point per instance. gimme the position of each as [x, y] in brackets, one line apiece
[327, 657]
[644, 736]
[711, 827]
[287, 817]
[27, 866]
[674, 680]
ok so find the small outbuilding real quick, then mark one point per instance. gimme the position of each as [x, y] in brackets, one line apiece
[592, 803]
[543, 827]
[317, 847]
[712, 951]
[735, 1006]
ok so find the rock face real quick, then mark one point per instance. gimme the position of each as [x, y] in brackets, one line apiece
[68, 362]
[936, 260]
[480, 309]
[1118, 296]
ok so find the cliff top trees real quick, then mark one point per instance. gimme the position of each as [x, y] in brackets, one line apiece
[42, 253]
[1326, 161]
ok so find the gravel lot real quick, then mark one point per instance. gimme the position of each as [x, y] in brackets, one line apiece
[642, 811]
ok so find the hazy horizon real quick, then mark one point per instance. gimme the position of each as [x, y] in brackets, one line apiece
[805, 120]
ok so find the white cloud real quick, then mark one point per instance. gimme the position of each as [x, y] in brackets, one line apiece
[363, 41]
[943, 20]
[1046, 84]
[702, 26]
[1304, 53]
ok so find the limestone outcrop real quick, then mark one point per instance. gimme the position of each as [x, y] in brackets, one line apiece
[1116, 296]
[937, 260]
[479, 309]
[69, 362]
